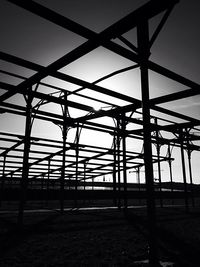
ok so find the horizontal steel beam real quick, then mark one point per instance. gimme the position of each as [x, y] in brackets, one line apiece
[145, 12]
[64, 77]
[149, 10]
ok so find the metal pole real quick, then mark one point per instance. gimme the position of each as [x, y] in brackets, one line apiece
[170, 171]
[118, 164]
[170, 168]
[77, 154]
[124, 160]
[159, 169]
[92, 184]
[25, 170]
[10, 186]
[138, 177]
[3, 179]
[143, 48]
[183, 170]
[84, 180]
[48, 178]
[84, 173]
[191, 179]
[114, 170]
[189, 153]
[64, 135]
[138, 181]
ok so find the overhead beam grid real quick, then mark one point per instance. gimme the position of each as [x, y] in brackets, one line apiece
[125, 127]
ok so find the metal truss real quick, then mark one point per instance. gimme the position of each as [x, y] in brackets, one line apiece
[31, 162]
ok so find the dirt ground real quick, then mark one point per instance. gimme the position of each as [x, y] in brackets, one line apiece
[99, 238]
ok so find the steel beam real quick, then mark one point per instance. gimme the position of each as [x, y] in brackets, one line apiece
[114, 168]
[184, 171]
[143, 47]
[25, 170]
[189, 153]
[77, 163]
[170, 167]
[158, 147]
[64, 137]
[148, 11]
[152, 65]
[3, 178]
[123, 126]
[118, 162]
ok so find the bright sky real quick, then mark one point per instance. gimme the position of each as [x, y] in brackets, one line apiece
[32, 38]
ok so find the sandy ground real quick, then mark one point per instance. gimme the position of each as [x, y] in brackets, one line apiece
[101, 238]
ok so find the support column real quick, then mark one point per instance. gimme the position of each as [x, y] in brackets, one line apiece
[189, 152]
[170, 171]
[158, 146]
[77, 154]
[114, 170]
[138, 178]
[170, 168]
[11, 179]
[124, 160]
[183, 170]
[48, 178]
[139, 185]
[25, 170]
[3, 179]
[85, 164]
[118, 163]
[143, 48]
[64, 136]
[191, 178]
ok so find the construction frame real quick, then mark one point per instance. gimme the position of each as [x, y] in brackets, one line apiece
[27, 161]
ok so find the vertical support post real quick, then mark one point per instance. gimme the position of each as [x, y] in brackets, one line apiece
[3, 179]
[42, 187]
[25, 170]
[124, 160]
[170, 171]
[189, 152]
[11, 179]
[84, 173]
[114, 170]
[77, 154]
[138, 177]
[159, 168]
[183, 170]
[84, 180]
[48, 178]
[191, 179]
[170, 168]
[138, 181]
[143, 48]
[118, 164]
[64, 136]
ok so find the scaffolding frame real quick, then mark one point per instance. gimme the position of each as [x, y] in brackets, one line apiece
[24, 161]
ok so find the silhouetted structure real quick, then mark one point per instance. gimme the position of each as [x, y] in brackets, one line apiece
[63, 173]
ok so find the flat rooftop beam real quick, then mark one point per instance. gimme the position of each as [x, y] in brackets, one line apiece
[151, 9]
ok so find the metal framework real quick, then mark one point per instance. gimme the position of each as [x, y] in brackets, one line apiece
[31, 162]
